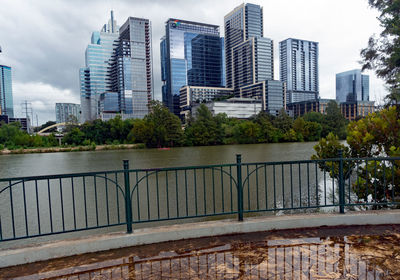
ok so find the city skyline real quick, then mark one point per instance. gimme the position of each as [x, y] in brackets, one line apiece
[45, 70]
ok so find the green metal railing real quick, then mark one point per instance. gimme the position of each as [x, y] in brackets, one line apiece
[46, 205]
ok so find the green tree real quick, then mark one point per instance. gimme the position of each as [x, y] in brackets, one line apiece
[165, 128]
[334, 121]
[246, 132]
[376, 135]
[383, 53]
[74, 137]
[329, 147]
[283, 121]
[203, 129]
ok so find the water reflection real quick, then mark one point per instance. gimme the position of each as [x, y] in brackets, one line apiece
[326, 253]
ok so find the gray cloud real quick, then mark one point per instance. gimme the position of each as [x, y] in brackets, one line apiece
[44, 41]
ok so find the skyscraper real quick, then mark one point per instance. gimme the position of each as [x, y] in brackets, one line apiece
[132, 70]
[249, 58]
[94, 77]
[6, 98]
[352, 86]
[299, 69]
[244, 22]
[191, 55]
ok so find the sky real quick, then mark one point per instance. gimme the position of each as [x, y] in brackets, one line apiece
[44, 41]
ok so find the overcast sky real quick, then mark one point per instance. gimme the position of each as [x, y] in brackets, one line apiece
[44, 41]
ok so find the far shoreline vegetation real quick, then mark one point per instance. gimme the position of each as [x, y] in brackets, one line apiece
[162, 129]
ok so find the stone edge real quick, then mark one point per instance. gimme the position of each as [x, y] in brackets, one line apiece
[97, 243]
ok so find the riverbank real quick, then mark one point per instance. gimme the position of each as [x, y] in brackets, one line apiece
[72, 149]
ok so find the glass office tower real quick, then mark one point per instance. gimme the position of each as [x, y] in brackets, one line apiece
[299, 69]
[6, 98]
[191, 54]
[131, 69]
[352, 86]
[94, 77]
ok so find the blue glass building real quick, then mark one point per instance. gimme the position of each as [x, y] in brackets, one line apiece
[191, 54]
[6, 98]
[352, 86]
[94, 77]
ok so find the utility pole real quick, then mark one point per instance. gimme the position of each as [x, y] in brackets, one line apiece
[27, 109]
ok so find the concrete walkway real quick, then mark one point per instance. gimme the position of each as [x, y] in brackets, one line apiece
[58, 249]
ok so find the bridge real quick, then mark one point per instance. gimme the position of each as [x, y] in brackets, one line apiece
[58, 136]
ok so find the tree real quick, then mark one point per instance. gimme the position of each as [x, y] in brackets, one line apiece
[283, 121]
[376, 135]
[202, 130]
[165, 129]
[383, 53]
[329, 147]
[334, 121]
[246, 132]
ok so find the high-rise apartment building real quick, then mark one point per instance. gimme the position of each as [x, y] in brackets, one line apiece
[68, 112]
[299, 69]
[352, 86]
[132, 69]
[94, 77]
[244, 22]
[249, 58]
[6, 97]
[253, 61]
[191, 55]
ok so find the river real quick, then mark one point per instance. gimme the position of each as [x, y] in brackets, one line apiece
[70, 162]
[161, 195]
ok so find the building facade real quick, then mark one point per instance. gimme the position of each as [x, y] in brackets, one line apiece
[24, 122]
[68, 112]
[192, 95]
[118, 77]
[271, 94]
[299, 69]
[298, 109]
[131, 70]
[353, 110]
[95, 77]
[244, 22]
[250, 59]
[191, 55]
[6, 96]
[240, 108]
[352, 86]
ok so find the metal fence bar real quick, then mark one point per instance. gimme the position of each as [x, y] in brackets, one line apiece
[128, 203]
[239, 187]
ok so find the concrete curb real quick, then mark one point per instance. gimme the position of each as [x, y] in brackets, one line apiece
[46, 251]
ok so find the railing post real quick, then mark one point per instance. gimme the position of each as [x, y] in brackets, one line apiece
[239, 186]
[128, 203]
[341, 182]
